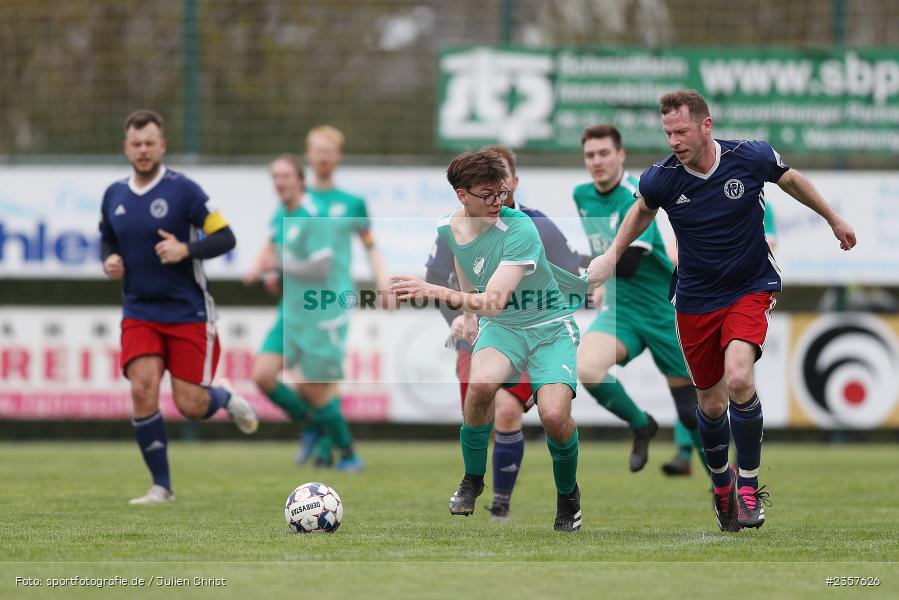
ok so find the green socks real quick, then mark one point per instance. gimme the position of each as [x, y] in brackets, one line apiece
[564, 463]
[288, 400]
[684, 439]
[610, 395]
[475, 441]
[330, 419]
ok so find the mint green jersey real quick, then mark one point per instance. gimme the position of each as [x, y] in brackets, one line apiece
[601, 215]
[770, 223]
[347, 217]
[317, 302]
[512, 240]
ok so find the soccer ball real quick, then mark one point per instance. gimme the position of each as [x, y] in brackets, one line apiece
[313, 508]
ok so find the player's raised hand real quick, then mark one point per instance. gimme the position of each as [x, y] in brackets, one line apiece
[114, 267]
[843, 232]
[601, 269]
[170, 250]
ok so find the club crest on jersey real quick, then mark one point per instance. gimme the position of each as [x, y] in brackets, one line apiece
[478, 265]
[337, 210]
[159, 208]
[733, 189]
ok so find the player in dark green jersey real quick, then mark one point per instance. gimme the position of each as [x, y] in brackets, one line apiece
[635, 313]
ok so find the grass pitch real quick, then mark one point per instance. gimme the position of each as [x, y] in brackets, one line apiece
[65, 514]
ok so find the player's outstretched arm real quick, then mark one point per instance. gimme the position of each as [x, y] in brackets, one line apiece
[797, 185]
[487, 304]
[638, 218]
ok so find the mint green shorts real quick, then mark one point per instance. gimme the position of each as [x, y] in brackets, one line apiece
[548, 352]
[653, 329]
[317, 349]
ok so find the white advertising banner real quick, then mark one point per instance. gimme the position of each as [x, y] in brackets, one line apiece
[49, 215]
[63, 363]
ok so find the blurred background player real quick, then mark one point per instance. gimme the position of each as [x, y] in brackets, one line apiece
[268, 364]
[168, 316]
[307, 336]
[713, 193]
[680, 463]
[634, 310]
[324, 152]
[510, 403]
[499, 256]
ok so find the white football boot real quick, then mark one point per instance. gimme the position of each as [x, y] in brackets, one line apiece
[241, 411]
[155, 495]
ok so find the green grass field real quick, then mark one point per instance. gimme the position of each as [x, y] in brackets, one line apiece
[65, 514]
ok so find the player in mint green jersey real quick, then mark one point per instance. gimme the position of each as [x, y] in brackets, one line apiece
[680, 463]
[634, 311]
[308, 335]
[526, 323]
[324, 152]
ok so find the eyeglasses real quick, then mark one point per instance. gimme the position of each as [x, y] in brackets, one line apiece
[489, 199]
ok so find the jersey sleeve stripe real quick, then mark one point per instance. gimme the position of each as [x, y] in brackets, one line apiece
[520, 263]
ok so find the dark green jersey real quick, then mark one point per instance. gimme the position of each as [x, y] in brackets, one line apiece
[601, 215]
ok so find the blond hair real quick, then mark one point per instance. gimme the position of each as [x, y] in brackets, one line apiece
[328, 132]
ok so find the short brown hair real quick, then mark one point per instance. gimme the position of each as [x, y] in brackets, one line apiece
[603, 130]
[692, 99]
[505, 152]
[143, 117]
[473, 168]
[295, 161]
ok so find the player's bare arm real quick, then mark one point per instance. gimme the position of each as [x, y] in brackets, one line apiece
[487, 304]
[638, 218]
[264, 261]
[469, 324]
[379, 272]
[170, 251]
[797, 185]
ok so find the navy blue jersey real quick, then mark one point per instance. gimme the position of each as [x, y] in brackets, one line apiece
[558, 252]
[718, 219]
[129, 220]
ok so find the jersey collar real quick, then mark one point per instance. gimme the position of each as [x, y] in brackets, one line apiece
[140, 191]
[714, 166]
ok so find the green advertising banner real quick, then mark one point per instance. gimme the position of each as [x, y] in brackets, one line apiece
[831, 101]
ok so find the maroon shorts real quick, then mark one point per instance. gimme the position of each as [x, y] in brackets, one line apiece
[522, 390]
[704, 337]
[190, 351]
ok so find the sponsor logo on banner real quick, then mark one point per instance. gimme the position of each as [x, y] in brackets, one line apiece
[845, 370]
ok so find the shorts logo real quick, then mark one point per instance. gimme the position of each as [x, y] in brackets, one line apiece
[159, 208]
[845, 371]
[733, 189]
[478, 265]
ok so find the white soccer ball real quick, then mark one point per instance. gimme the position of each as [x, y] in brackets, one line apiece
[313, 508]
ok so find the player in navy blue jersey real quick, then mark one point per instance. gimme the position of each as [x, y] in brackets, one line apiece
[712, 191]
[510, 403]
[150, 226]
